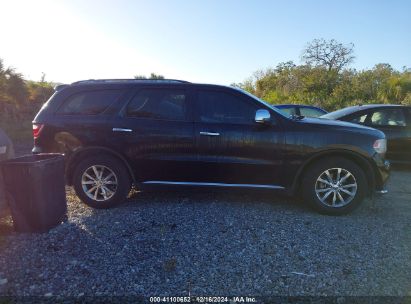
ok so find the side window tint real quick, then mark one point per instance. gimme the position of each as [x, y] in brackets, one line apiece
[408, 111]
[215, 106]
[388, 117]
[358, 119]
[310, 112]
[167, 104]
[89, 102]
[288, 110]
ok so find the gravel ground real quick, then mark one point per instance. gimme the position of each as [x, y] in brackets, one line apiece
[215, 243]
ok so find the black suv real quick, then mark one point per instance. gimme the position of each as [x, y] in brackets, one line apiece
[116, 133]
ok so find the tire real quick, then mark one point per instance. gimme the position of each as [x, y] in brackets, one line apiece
[325, 194]
[111, 188]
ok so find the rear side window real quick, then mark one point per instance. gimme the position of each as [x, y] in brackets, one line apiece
[221, 107]
[166, 104]
[388, 117]
[89, 102]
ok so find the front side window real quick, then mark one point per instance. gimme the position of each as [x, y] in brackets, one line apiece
[310, 112]
[388, 117]
[358, 119]
[89, 102]
[289, 111]
[167, 104]
[221, 107]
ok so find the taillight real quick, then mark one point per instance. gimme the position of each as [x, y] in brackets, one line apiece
[37, 130]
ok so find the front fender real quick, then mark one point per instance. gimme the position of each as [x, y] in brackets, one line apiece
[361, 158]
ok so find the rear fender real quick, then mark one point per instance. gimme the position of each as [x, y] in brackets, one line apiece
[76, 156]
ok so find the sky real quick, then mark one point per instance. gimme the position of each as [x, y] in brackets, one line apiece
[208, 41]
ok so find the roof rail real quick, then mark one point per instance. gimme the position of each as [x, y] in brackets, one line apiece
[129, 81]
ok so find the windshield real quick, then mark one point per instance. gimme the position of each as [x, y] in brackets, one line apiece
[261, 101]
[339, 113]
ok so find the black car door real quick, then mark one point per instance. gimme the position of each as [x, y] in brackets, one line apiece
[232, 147]
[155, 131]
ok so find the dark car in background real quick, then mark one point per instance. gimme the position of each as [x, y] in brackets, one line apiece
[300, 110]
[6, 146]
[6, 152]
[153, 133]
[393, 120]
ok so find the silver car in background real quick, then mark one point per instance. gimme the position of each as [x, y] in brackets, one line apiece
[6, 152]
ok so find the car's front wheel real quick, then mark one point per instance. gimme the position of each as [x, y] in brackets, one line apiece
[334, 186]
[101, 181]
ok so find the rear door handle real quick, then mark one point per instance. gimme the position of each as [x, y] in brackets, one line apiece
[122, 130]
[209, 133]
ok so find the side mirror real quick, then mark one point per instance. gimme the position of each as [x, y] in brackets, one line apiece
[262, 116]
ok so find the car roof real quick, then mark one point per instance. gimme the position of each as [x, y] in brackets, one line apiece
[134, 81]
[296, 105]
[352, 109]
[128, 83]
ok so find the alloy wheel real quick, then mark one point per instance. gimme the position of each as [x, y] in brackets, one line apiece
[336, 187]
[99, 183]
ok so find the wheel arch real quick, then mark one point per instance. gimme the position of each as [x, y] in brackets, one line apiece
[357, 158]
[74, 158]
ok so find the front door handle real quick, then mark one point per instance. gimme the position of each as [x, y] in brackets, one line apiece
[209, 133]
[122, 130]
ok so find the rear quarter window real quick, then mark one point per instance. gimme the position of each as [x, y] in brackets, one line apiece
[89, 102]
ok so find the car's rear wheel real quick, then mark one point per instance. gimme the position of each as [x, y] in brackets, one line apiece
[334, 186]
[102, 181]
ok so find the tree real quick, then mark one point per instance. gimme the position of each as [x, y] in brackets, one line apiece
[43, 77]
[330, 54]
[152, 76]
[16, 87]
[332, 86]
[20, 98]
